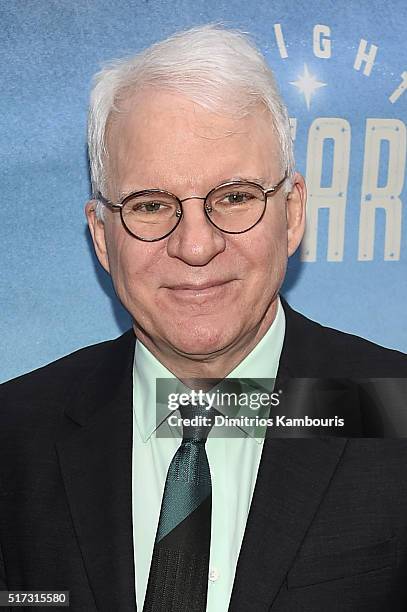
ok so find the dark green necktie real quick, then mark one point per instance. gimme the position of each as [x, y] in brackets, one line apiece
[178, 579]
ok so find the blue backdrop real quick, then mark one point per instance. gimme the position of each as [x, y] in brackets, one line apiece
[343, 72]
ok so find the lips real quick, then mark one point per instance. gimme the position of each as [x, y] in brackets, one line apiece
[198, 294]
[197, 286]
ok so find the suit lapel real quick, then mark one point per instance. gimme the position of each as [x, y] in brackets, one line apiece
[292, 480]
[95, 450]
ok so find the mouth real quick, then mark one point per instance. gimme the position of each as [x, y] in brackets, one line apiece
[196, 292]
[198, 286]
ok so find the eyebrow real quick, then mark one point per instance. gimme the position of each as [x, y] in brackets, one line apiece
[250, 179]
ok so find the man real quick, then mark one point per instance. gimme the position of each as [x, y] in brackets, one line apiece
[196, 208]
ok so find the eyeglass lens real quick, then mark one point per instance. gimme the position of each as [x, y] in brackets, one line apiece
[152, 215]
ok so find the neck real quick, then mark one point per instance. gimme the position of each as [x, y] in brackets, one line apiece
[216, 365]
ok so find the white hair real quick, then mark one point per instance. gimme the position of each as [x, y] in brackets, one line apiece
[209, 65]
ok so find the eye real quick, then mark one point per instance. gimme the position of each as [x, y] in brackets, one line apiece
[148, 207]
[236, 197]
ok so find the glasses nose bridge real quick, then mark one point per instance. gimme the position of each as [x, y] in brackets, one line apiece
[193, 197]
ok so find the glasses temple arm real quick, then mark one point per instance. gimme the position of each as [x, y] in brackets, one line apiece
[275, 188]
[101, 198]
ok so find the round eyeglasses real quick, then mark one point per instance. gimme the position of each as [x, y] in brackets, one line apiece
[153, 214]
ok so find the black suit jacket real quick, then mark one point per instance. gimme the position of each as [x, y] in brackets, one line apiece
[327, 528]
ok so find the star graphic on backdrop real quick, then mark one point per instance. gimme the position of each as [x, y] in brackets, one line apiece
[307, 84]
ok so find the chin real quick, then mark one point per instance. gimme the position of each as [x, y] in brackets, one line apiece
[200, 340]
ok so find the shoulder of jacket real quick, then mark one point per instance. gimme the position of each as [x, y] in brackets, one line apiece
[47, 387]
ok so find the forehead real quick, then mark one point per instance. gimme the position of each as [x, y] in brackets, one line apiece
[164, 139]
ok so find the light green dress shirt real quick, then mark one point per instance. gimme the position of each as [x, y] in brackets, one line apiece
[233, 463]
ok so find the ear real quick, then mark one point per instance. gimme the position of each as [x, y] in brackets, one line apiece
[97, 231]
[296, 201]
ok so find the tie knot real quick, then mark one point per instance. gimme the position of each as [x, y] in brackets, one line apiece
[197, 421]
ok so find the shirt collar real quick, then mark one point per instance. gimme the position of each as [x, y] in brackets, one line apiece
[150, 411]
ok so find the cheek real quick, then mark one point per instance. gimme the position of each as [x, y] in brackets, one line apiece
[266, 255]
[133, 265]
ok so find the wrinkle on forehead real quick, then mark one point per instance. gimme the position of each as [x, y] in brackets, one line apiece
[206, 127]
[206, 135]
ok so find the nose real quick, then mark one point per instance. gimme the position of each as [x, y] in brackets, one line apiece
[195, 241]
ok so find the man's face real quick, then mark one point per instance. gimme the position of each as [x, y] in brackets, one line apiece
[198, 292]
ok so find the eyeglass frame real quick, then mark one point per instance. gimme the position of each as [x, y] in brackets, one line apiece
[271, 191]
